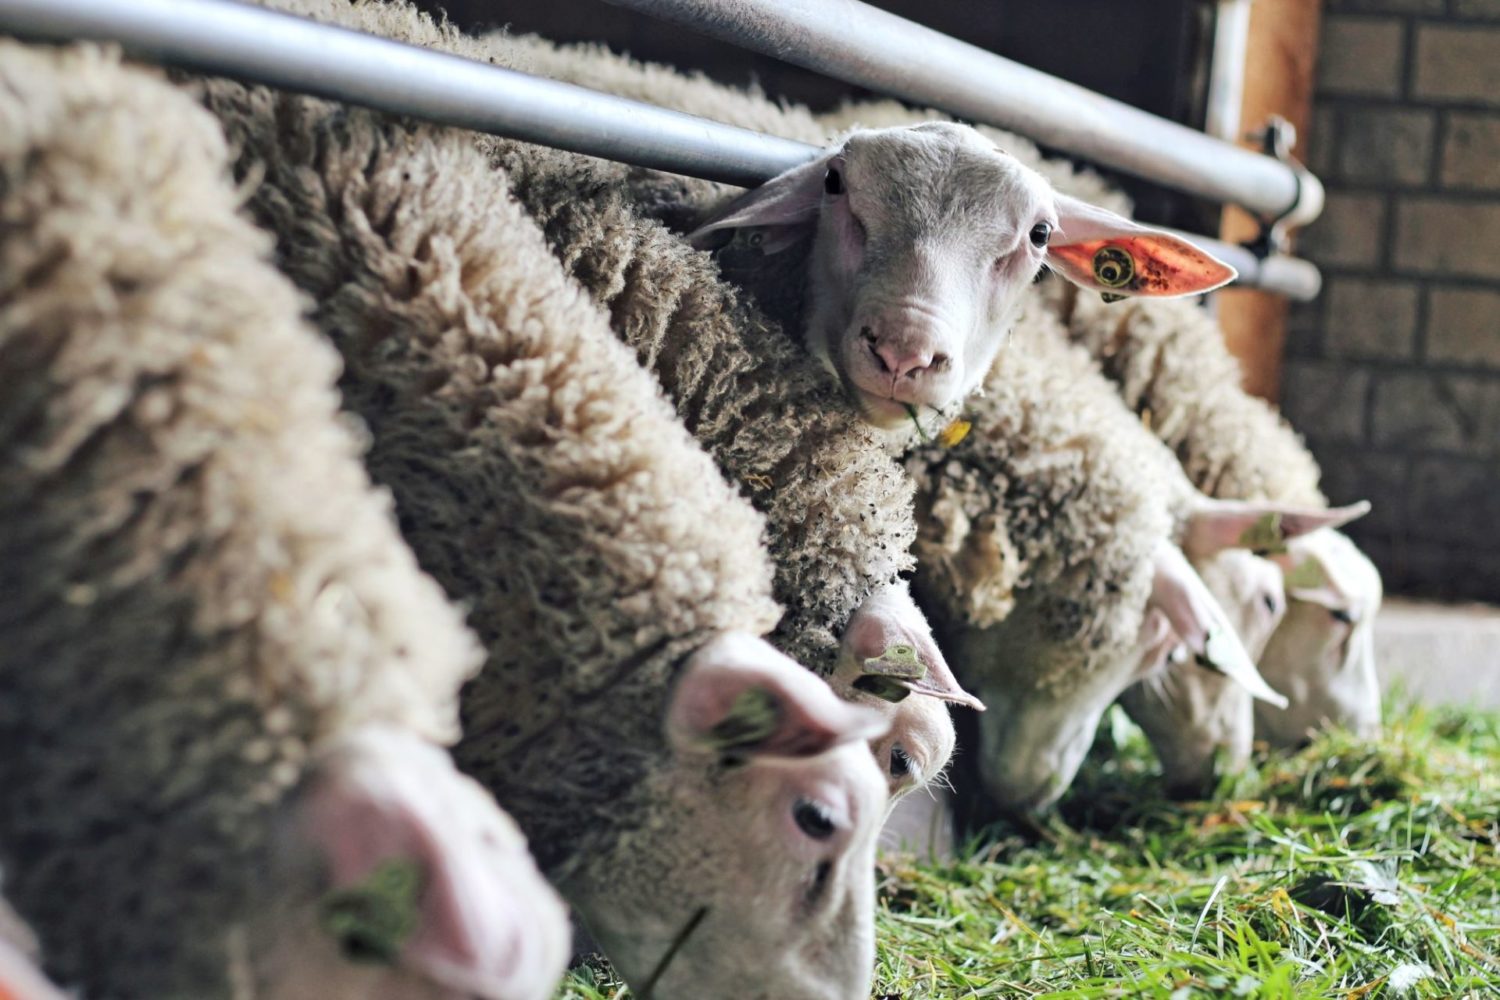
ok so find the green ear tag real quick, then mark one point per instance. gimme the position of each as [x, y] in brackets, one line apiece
[1265, 536]
[1306, 575]
[886, 675]
[1113, 267]
[752, 719]
[372, 919]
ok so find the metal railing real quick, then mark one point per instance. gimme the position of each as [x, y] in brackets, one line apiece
[250, 43]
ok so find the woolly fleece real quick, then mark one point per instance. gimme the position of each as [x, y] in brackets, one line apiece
[538, 472]
[200, 585]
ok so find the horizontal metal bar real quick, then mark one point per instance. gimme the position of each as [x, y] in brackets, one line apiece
[237, 40]
[857, 43]
[233, 39]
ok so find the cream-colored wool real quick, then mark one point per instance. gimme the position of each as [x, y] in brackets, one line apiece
[201, 586]
[838, 508]
[1170, 364]
[1052, 504]
[538, 473]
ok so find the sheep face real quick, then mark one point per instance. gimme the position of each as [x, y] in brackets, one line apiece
[924, 240]
[1323, 653]
[752, 873]
[1044, 701]
[1199, 721]
[397, 877]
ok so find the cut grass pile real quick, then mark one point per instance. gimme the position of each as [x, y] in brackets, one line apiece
[1354, 869]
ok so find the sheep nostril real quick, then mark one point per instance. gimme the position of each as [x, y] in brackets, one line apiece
[813, 819]
[868, 334]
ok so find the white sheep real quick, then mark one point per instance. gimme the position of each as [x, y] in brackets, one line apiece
[694, 794]
[1053, 553]
[225, 676]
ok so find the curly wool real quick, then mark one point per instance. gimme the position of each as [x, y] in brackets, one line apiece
[1052, 504]
[201, 585]
[538, 472]
[1171, 366]
[837, 506]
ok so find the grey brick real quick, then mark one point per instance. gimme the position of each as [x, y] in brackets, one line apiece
[1471, 151]
[1351, 474]
[1350, 232]
[1370, 319]
[1361, 56]
[1319, 146]
[1477, 8]
[1386, 146]
[1428, 410]
[1448, 237]
[1463, 326]
[1453, 500]
[1453, 572]
[1325, 401]
[1458, 63]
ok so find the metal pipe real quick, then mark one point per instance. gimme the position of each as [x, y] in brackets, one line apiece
[1226, 74]
[857, 43]
[251, 43]
[222, 37]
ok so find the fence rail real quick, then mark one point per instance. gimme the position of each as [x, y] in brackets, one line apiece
[250, 43]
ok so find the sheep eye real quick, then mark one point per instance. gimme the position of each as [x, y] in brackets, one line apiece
[833, 181]
[1040, 234]
[900, 763]
[1340, 615]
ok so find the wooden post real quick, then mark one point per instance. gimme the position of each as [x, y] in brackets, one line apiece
[1279, 66]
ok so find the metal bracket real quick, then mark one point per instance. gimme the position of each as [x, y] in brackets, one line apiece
[1277, 139]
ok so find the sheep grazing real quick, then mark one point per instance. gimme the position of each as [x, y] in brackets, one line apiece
[707, 805]
[1170, 365]
[1048, 557]
[1200, 722]
[223, 670]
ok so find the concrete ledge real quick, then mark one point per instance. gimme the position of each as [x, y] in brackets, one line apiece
[1444, 654]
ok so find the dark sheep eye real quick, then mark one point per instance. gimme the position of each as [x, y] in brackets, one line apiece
[1340, 615]
[833, 181]
[1040, 234]
[813, 819]
[900, 763]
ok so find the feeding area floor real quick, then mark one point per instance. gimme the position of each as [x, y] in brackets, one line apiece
[1354, 869]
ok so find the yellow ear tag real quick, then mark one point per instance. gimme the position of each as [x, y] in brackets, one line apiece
[1113, 266]
[1306, 575]
[955, 432]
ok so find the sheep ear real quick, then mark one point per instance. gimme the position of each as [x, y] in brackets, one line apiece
[784, 207]
[738, 697]
[1264, 528]
[1195, 616]
[1097, 249]
[887, 651]
[427, 872]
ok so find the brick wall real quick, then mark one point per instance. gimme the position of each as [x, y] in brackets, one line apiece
[1394, 374]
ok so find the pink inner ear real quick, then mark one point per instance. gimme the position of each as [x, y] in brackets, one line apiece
[486, 920]
[787, 204]
[739, 693]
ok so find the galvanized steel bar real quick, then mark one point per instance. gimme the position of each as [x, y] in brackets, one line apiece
[250, 43]
[857, 43]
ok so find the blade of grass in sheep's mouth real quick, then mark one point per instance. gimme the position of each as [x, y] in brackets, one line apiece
[911, 411]
[672, 949]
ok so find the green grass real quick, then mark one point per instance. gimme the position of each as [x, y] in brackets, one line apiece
[1354, 869]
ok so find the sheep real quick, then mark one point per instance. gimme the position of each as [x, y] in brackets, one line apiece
[225, 677]
[1262, 452]
[1048, 557]
[1200, 722]
[694, 794]
[838, 507]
